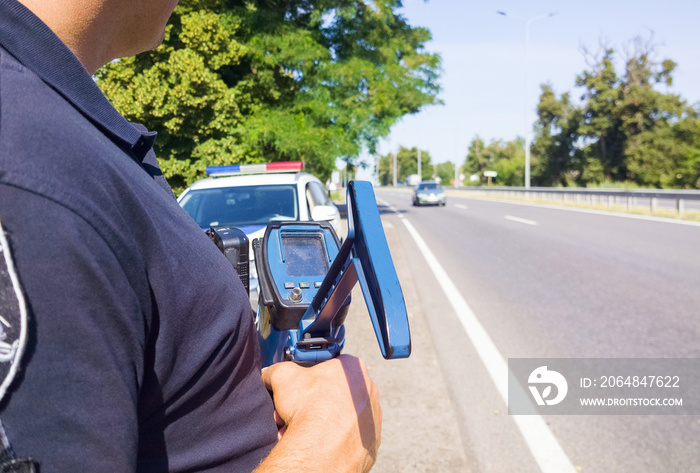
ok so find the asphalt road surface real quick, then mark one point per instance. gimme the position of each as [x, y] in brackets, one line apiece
[542, 283]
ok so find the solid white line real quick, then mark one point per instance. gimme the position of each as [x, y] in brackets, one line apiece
[590, 211]
[520, 220]
[543, 444]
[460, 206]
[391, 207]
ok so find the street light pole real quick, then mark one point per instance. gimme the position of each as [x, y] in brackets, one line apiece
[420, 175]
[527, 87]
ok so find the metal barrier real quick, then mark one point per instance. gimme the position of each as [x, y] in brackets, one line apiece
[653, 199]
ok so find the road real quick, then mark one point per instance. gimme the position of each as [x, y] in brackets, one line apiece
[542, 283]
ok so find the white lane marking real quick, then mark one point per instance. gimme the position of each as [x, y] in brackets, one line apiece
[460, 206]
[544, 446]
[391, 207]
[590, 211]
[520, 220]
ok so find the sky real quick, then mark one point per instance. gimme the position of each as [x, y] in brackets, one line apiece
[483, 79]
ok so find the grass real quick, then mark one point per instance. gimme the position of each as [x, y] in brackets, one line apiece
[338, 196]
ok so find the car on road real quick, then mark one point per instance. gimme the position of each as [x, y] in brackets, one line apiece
[249, 196]
[429, 192]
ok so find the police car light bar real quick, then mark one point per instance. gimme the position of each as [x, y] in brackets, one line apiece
[283, 166]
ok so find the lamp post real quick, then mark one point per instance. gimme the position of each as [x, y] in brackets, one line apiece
[527, 86]
[420, 175]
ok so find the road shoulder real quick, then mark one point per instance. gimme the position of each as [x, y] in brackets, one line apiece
[420, 431]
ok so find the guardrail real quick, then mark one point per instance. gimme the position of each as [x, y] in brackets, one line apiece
[650, 198]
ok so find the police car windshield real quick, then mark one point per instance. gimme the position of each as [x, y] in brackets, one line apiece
[427, 186]
[242, 205]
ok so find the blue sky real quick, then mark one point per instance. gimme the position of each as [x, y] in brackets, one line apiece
[483, 61]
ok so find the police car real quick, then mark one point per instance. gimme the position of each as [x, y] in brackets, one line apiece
[249, 196]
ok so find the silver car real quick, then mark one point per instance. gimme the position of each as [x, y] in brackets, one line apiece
[429, 192]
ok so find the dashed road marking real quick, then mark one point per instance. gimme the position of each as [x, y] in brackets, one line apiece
[591, 211]
[520, 220]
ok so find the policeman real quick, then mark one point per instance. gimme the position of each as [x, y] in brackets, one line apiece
[126, 348]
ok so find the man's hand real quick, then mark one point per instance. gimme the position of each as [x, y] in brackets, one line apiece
[329, 416]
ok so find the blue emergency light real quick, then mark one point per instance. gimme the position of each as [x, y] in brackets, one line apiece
[283, 166]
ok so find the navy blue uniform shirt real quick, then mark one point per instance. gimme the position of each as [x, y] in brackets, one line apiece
[142, 353]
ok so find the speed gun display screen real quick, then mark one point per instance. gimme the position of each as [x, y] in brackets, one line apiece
[305, 278]
[305, 256]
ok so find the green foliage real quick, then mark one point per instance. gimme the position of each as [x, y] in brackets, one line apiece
[626, 130]
[634, 132]
[507, 158]
[445, 172]
[615, 185]
[406, 164]
[254, 81]
[554, 150]
[476, 163]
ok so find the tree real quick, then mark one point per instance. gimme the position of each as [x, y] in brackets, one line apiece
[445, 172]
[634, 131]
[601, 122]
[507, 158]
[476, 161]
[406, 164]
[555, 150]
[686, 167]
[240, 81]
[626, 130]
[667, 156]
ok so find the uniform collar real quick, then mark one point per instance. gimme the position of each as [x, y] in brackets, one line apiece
[35, 46]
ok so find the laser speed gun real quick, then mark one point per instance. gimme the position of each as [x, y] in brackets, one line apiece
[306, 277]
